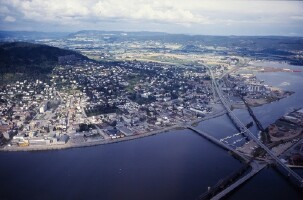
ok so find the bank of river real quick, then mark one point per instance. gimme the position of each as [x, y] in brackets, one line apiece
[175, 165]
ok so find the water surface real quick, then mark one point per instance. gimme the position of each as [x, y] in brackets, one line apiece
[174, 165]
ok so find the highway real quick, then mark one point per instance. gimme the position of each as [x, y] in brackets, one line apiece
[243, 129]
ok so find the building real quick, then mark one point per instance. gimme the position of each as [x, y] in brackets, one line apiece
[38, 141]
[43, 107]
[125, 130]
[62, 139]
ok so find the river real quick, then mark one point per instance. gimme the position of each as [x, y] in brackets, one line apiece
[175, 165]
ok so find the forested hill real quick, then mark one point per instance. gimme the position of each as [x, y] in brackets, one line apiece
[17, 54]
[22, 58]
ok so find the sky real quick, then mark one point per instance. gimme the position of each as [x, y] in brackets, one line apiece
[214, 17]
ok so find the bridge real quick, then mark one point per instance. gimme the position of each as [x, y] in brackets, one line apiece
[224, 186]
[218, 142]
[251, 113]
[298, 179]
[234, 180]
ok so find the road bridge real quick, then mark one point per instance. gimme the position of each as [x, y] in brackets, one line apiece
[251, 113]
[234, 180]
[298, 179]
[256, 167]
[218, 142]
[225, 186]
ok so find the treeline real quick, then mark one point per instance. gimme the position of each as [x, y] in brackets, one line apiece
[101, 109]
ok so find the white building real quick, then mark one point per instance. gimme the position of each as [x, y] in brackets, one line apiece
[43, 108]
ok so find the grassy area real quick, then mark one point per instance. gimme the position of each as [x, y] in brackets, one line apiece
[165, 60]
[132, 81]
[265, 138]
[97, 58]
[195, 124]
[258, 152]
[72, 91]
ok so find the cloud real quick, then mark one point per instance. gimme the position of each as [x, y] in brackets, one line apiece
[61, 11]
[9, 19]
[145, 10]
[297, 17]
[161, 14]
[4, 10]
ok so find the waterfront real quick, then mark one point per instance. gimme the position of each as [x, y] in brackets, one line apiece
[269, 184]
[174, 165]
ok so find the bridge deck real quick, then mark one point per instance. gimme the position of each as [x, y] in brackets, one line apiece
[217, 142]
[243, 129]
[255, 169]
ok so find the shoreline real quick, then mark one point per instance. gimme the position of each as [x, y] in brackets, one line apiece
[109, 141]
[259, 104]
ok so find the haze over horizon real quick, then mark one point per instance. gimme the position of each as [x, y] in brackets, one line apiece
[171, 16]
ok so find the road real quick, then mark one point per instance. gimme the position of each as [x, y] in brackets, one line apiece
[250, 134]
[105, 136]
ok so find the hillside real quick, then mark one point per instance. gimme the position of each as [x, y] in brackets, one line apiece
[24, 59]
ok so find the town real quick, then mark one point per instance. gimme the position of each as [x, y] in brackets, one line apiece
[165, 100]
[87, 102]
